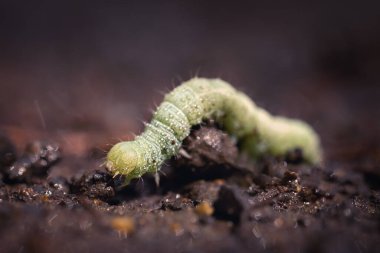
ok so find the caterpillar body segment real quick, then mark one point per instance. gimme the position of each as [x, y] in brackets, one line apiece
[199, 99]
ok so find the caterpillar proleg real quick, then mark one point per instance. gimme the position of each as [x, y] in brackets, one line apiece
[199, 99]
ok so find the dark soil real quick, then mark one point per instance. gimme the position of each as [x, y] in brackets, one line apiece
[209, 199]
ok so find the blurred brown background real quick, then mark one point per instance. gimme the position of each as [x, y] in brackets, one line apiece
[87, 73]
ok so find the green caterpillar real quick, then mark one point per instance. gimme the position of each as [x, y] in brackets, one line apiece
[199, 99]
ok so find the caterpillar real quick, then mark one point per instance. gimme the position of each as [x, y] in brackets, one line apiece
[196, 100]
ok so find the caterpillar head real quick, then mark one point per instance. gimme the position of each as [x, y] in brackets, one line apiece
[123, 159]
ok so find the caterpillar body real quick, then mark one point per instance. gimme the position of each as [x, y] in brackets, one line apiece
[199, 99]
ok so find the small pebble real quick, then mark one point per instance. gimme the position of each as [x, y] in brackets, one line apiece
[124, 225]
[204, 209]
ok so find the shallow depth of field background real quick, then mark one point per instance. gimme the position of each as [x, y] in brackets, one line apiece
[87, 73]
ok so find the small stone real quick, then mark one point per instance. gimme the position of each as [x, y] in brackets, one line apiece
[124, 225]
[204, 209]
[230, 204]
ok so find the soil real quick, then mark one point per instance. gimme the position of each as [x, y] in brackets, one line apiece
[210, 198]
